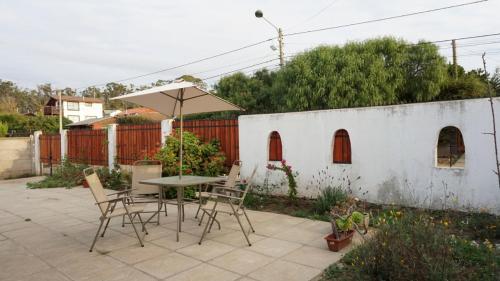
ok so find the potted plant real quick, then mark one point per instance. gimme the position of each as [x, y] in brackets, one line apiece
[343, 229]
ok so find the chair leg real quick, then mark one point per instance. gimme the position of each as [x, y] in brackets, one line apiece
[183, 212]
[241, 226]
[105, 227]
[198, 211]
[123, 221]
[135, 229]
[208, 222]
[201, 219]
[166, 213]
[143, 224]
[96, 235]
[212, 223]
[248, 220]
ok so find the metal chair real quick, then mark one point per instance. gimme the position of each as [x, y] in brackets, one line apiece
[229, 204]
[226, 182]
[108, 206]
[143, 193]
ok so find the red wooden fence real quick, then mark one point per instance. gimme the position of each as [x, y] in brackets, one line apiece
[88, 146]
[226, 131]
[50, 148]
[137, 142]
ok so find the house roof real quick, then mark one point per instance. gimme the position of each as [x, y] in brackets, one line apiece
[89, 122]
[78, 99]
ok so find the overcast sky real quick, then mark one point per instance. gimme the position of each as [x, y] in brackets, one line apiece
[82, 43]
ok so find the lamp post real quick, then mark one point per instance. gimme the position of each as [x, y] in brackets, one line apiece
[260, 14]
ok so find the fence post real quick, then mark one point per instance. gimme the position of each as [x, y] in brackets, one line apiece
[64, 144]
[38, 166]
[166, 129]
[111, 145]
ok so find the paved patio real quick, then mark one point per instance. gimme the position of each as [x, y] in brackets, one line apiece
[46, 234]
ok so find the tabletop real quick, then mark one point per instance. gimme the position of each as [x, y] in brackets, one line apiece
[184, 181]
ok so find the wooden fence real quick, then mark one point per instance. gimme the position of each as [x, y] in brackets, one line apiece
[88, 147]
[50, 148]
[226, 131]
[137, 142]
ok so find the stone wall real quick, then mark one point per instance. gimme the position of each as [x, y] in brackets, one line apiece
[16, 157]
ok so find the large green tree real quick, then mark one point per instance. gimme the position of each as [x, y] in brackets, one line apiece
[373, 72]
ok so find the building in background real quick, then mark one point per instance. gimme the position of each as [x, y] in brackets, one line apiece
[74, 108]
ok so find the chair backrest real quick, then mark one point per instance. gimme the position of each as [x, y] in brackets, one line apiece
[248, 186]
[233, 174]
[96, 188]
[145, 170]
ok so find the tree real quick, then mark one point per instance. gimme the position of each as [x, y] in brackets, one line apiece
[373, 72]
[195, 80]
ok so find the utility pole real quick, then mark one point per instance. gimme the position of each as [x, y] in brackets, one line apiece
[60, 110]
[455, 65]
[280, 42]
[260, 14]
[494, 133]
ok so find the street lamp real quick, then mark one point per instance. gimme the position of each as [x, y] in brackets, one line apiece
[260, 14]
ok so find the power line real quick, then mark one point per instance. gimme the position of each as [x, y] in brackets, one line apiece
[236, 63]
[316, 14]
[184, 64]
[239, 69]
[385, 19]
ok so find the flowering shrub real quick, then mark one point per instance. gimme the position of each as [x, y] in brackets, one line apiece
[292, 184]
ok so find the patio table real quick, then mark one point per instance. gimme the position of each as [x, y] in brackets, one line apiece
[180, 183]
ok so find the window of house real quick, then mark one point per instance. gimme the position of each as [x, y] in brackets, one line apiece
[450, 148]
[74, 118]
[341, 147]
[275, 151]
[90, 117]
[73, 106]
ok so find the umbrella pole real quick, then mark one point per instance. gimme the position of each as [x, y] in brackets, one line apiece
[181, 148]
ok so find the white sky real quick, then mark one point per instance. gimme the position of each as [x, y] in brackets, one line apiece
[82, 43]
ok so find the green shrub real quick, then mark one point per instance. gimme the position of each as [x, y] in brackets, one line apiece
[18, 122]
[329, 197]
[4, 128]
[201, 159]
[113, 179]
[134, 120]
[66, 175]
[417, 247]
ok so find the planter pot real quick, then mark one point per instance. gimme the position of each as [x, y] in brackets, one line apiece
[85, 184]
[336, 244]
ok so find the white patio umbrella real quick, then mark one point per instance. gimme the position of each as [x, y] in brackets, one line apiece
[179, 99]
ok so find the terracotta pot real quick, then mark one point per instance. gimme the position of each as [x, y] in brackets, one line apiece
[85, 183]
[336, 244]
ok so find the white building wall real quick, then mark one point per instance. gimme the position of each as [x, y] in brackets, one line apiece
[393, 152]
[83, 111]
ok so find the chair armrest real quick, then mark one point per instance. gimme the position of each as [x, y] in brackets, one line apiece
[229, 189]
[112, 200]
[120, 192]
[224, 196]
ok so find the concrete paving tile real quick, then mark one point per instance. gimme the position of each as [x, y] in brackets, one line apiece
[132, 255]
[274, 247]
[298, 235]
[206, 251]
[285, 271]
[236, 238]
[270, 227]
[313, 257]
[241, 261]
[170, 242]
[321, 227]
[167, 265]
[124, 273]
[14, 265]
[204, 272]
[83, 267]
[47, 275]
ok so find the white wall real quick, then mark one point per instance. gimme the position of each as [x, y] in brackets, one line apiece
[17, 157]
[84, 111]
[393, 152]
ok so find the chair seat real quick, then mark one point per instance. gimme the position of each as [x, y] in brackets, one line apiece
[221, 207]
[120, 211]
[203, 194]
